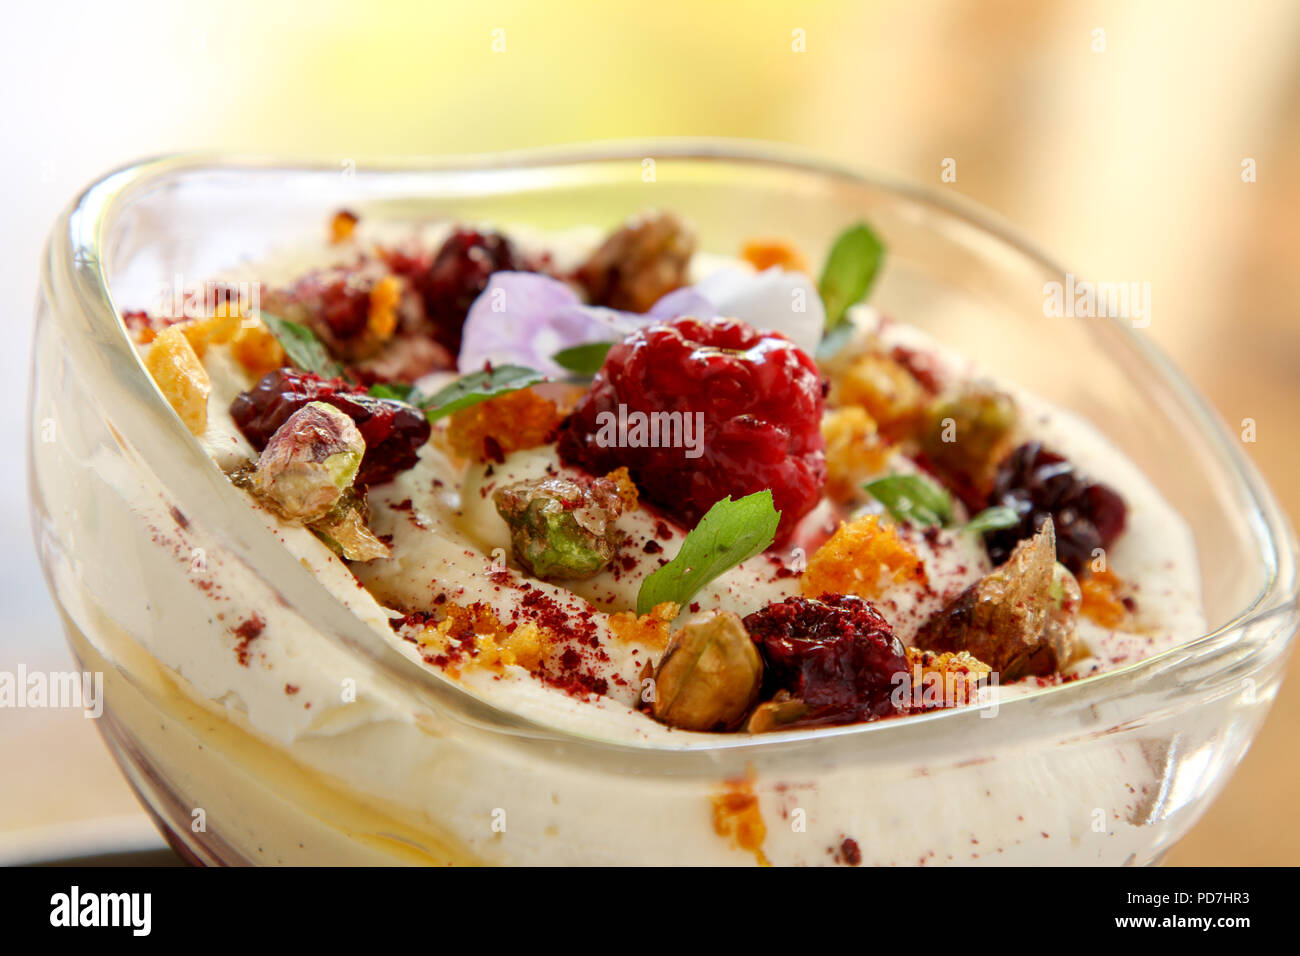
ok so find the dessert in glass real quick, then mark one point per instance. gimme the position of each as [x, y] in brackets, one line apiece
[525, 511]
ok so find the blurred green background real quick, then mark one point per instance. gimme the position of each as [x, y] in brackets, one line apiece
[1114, 134]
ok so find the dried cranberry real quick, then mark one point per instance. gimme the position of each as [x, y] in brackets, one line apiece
[761, 402]
[393, 430]
[1039, 483]
[334, 303]
[458, 274]
[345, 307]
[838, 655]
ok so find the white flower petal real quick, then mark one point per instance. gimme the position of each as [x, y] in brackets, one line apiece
[773, 300]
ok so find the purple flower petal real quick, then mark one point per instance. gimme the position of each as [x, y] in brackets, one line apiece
[519, 318]
[683, 301]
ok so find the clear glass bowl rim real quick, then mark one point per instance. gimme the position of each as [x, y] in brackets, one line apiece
[75, 285]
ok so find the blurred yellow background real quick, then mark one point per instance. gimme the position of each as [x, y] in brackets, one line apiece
[1113, 134]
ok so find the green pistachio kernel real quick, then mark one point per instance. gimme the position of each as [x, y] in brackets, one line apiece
[709, 676]
[345, 529]
[561, 528]
[967, 433]
[308, 463]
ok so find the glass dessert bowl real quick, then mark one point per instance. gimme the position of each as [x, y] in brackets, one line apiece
[335, 746]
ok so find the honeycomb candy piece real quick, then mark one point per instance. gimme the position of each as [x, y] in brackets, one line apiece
[945, 680]
[216, 329]
[626, 488]
[256, 349]
[520, 648]
[765, 253]
[650, 629]
[342, 225]
[474, 635]
[863, 557]
[854, 450]
[493, 429]
[181, 377]
[883, 386]
[381, 317]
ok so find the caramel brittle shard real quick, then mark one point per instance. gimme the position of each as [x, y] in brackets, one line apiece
[1019, 619]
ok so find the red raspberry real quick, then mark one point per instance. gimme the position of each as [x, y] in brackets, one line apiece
[838, 655]
[393, 430]
[761, 398]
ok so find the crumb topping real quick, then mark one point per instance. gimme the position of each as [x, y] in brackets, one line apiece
[648, 629]
[863, 557]
[491, 430]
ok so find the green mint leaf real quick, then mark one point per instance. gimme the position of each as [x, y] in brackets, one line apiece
[397, 390]
[850, 269]
[583, 359]
[833, 341]
[730, 532]
[993, 519]
[302, 346]
[474, 388]
[913, 498]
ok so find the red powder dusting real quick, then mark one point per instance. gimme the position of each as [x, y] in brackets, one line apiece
[850, 851]
[247, 632]
[569, 670]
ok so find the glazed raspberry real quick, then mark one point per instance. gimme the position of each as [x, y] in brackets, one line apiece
[459, 273]
[761, 400]
[1037, 483]
[838, 655]
[393, 431]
